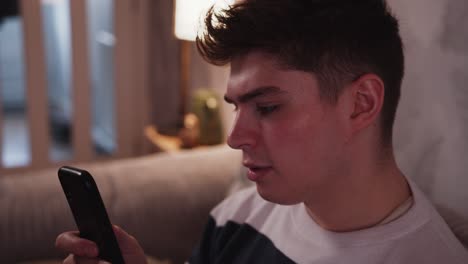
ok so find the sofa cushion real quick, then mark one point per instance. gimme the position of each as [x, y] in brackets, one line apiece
[162, 199]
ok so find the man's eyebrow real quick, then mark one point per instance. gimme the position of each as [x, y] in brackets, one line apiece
[260, 91]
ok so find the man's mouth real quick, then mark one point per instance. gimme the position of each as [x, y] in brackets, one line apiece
[256, 172]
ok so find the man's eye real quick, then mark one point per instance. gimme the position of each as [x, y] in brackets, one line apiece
[265, 110]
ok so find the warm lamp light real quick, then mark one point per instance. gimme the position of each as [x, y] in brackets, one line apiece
[189, 15]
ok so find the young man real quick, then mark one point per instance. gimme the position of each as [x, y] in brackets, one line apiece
[315, 85]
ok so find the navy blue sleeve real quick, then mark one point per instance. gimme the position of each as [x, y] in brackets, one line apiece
[203, 253]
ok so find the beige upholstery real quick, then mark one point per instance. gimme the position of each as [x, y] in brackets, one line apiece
[162, 199]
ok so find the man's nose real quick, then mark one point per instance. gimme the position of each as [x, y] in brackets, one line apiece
[243, 133]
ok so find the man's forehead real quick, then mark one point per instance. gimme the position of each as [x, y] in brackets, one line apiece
[249, 71]
[256, 70]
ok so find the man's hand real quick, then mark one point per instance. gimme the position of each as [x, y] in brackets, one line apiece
[82, 251]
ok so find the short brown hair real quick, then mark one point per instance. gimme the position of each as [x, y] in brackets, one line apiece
[337, 40]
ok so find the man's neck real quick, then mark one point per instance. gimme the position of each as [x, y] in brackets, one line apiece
[362, 200]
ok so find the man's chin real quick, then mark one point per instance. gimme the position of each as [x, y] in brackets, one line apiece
[277, 197]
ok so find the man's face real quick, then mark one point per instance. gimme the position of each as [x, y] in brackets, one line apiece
[291, 140]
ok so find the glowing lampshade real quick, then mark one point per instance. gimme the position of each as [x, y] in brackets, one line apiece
[189, 15]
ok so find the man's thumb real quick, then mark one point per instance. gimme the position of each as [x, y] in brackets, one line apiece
[128, 244]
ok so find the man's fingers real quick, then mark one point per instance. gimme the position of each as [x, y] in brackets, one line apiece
[127, 243]
[72, 259]
[69, 260]
[83, 251]
[70, 242]
[129, 246]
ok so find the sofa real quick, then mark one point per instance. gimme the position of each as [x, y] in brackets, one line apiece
[162, 199]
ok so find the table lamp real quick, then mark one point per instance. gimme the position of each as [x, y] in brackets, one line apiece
[189, 16]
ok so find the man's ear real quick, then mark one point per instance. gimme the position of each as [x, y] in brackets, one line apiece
[367, 95]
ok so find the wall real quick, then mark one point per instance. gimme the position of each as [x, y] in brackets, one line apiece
[432, 121]
[164, 65]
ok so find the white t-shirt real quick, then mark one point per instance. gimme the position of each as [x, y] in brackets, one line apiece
[247, 229]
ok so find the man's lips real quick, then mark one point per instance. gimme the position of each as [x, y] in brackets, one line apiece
[256, 171]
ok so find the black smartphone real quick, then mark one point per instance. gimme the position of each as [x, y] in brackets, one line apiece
[89, 212]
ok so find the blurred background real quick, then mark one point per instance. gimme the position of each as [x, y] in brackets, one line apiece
[81, 80]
